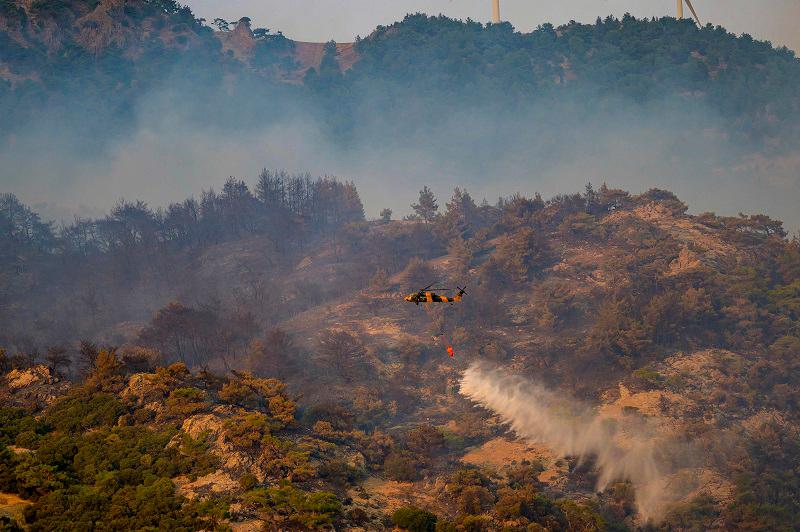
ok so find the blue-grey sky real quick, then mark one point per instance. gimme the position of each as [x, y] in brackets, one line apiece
[342, 20]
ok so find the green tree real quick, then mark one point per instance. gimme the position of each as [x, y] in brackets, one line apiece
[105, 375]
[427, 208]
[287, 505]
[81, 409]
[184, 402]
[521, 254]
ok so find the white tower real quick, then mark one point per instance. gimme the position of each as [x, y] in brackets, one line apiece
[496, 11]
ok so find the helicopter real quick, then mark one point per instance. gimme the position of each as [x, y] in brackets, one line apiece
[426, 295]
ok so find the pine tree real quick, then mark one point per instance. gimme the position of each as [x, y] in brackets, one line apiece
[427, 208]
[591, 198]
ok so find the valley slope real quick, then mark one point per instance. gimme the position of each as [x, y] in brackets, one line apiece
[673, 329]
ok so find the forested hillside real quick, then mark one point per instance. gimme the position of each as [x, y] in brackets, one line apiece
[164, 329]
[103, 59]
[609, 62]
[84, 64]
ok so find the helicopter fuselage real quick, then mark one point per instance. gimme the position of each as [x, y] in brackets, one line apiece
[431, 297]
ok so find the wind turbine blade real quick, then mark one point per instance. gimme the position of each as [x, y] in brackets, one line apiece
[691, 8]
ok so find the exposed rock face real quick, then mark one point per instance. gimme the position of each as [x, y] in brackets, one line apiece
[357, 463]
[214, 483]
[687, 262]
[17, 379]
[144, 391]
[35, 387]
[150, 390]
[211, 427]
[240, 40]
[102, 28]
[131, 28]
[145, 388]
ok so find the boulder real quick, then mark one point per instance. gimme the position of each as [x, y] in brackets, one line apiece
[35, 387]
[210, 485]
[211, 428]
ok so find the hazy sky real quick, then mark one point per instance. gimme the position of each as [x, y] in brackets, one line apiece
[342, 20]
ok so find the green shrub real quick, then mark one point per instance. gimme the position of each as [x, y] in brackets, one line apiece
[16, 421]
[286, 503]
[268, 395]
[247, 431]
[248, 481]
[357, 516]
[195, 452]
[27, 440]
[445, 526]
[7, 524]
[476, 523]
[414, 519]
[648, 375]
[114, 478]
[184, 402]
[8, 462]
[454, 442]
[582, 517]
[81, 410]
[474, 500]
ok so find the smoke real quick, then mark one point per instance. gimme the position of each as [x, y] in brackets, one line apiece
[550, 149]
[570, 428]
[184, 133]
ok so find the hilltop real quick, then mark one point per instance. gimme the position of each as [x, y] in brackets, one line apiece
[81, 53]
[687, 323]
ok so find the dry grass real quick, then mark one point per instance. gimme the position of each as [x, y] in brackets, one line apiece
[389, 495]
[13, 506]
[501, 452]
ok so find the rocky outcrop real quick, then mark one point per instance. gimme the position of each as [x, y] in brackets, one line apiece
[686, 262]
[240, 41]
[146, 390]
[150, 390]
[211, 428]
[35, 387]
[216, 483]
[102, 27]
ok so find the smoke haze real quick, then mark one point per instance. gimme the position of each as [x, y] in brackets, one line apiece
[190, 131]
[172, 154]
[570, 428]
